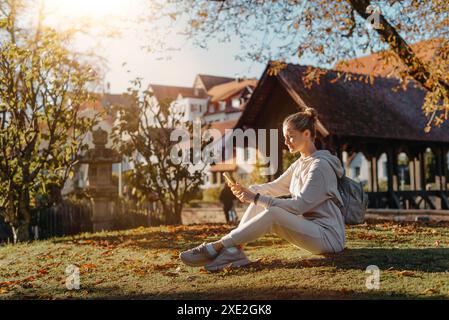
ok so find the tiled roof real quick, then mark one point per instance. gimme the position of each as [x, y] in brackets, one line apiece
[170, 93]
[210, 81]
[227, 90]
[346, 108]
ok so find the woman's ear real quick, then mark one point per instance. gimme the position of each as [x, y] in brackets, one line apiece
[306, 133]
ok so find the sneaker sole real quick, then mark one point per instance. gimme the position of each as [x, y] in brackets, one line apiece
[193, 264]
[235, 264]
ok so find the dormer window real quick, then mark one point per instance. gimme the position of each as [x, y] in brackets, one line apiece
[222, 105]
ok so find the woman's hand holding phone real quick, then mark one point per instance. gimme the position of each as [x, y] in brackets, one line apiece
[243, 194]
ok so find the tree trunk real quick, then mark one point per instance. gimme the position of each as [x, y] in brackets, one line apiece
[174, 216]
[21, 233]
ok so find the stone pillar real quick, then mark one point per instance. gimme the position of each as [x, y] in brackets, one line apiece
[101, 189]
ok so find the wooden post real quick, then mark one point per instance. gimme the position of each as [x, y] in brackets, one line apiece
[374, 180]
[444, 168]
[392, 177]
[439, 168]
[395, 170]
[417, 172]
[392, 167]
[422, 170]
[411, 170]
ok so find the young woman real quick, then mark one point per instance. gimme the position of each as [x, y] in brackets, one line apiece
[309, 219]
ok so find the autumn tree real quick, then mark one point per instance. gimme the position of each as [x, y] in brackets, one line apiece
[143, 132]
[324, 32]
[42, 85]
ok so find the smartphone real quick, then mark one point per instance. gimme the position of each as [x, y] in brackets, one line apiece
[228, 178]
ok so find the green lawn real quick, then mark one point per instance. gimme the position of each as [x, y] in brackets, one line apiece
[143, 264]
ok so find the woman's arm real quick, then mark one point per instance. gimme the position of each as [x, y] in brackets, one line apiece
[313, 192]
[278, 187]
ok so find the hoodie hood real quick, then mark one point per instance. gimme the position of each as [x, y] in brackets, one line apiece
[334, 162]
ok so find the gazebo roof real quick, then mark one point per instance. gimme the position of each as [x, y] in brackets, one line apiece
[349, 108]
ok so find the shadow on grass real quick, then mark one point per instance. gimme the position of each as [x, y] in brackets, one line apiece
[230, 293]
[425, 260]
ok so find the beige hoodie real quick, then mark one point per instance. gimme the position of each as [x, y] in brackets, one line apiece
[310, 181]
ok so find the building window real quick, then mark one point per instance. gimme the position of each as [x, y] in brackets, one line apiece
[211, 108]
[357, 171]
[194, 108]
[222, 105]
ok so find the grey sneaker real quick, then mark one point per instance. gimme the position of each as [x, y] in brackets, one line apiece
[228, 258]
[196, 257]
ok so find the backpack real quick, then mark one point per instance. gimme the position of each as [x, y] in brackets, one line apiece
[355, 200]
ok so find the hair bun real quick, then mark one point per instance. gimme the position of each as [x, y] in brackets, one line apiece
[311, 112]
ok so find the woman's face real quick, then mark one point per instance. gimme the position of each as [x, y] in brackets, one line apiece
[295, 140]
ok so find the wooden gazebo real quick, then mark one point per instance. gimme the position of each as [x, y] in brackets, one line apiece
[356, 116]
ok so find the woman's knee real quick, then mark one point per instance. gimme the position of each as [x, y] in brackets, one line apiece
[250, 213]
[274, 212]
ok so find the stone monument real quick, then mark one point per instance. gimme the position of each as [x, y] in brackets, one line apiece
[101, 190]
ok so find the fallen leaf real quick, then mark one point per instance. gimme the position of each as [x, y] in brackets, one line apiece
[170, 274]
[430, 291]
[107, 253]
[405, 273]
[42, 272]
[365, 236]
[88, 266]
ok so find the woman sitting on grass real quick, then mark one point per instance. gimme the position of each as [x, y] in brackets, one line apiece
[309, 219]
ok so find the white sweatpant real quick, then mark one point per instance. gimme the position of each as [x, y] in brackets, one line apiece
[258, 221]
